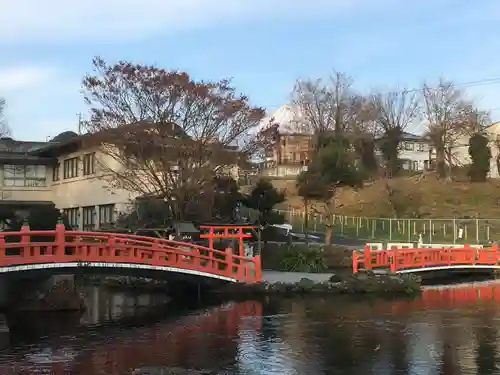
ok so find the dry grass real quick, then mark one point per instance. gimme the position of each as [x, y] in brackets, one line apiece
[426, 197]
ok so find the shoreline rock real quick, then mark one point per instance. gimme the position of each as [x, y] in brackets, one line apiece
[61, 297]
[361, 283]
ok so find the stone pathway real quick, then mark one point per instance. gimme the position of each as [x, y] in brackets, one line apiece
[293, 277]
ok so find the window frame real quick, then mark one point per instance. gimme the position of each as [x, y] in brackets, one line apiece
[89, 212]
[70, 165]
[56, 172]
[88, 162]
[409, 146]
[21, 178]
[106, 211]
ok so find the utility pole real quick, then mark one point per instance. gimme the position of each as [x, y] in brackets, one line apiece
[80, 117]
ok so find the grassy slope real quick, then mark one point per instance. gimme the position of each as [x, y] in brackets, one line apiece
[426, 197]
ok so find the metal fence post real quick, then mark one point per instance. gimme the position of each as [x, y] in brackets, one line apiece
[409, 230]
[430, 231]
[454, 230]
[477, 230]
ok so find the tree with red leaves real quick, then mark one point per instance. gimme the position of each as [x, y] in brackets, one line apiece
[164, 134]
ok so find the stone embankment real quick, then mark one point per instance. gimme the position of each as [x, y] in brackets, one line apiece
[366, 283]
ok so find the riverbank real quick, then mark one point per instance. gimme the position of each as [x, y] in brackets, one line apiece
[361, 283]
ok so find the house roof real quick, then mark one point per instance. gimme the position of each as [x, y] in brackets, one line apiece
[51, 147]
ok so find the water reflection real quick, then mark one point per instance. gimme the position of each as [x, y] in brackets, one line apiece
[448, 331]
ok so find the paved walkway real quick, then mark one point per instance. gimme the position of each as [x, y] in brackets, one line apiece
[293, 277]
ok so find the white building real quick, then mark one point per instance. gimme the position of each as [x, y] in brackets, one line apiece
[67, 175]
[62, 174]
[461, 155]
[415, 152]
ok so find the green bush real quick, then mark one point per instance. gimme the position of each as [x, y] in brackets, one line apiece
[338, 257]
[302, 258]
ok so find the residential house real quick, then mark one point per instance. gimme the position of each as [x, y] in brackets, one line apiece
[291, 151]
[415, 152]
[460, 151]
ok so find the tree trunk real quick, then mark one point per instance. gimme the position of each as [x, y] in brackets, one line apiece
[329, 223]
[441, 162]
[328, 234]
[498, 162]
[449, 158]
[306, 220]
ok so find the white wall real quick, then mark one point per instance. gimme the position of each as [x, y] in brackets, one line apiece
[18, 193]
[72, 193]
[87, 190]
[461, 150]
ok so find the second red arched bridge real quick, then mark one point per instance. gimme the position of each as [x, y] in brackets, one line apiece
[416, 260]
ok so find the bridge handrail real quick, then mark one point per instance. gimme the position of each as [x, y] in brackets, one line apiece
[106, 236]
[154, 240]
[397, 259]
[70, 246]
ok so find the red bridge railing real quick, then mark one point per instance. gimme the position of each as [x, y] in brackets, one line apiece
[64, 246]
[397, 259]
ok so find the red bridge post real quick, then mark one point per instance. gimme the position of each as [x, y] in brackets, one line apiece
[355, 260]
[367, 255]
[60, 240]
[393, 258]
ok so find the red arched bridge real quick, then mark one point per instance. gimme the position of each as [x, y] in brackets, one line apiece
[63, 250]
[408, 260]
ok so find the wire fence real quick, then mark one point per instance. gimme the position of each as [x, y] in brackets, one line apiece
[479, 231]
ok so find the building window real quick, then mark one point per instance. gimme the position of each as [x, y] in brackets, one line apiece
[106, 214]
[73, 216]
[421, 147]
[89, 214]
[409, 146]
[70, 168]
[25, 175]
[55, 172]
[89, 164]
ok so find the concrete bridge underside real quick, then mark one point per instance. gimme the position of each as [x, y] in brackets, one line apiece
[18, 282]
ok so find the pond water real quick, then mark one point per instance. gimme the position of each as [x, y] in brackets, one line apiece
[448, 331]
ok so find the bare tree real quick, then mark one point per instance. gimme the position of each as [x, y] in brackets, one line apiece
[4, 126]
[449, 117]
[325, 105]
[393, 112]
[164, 134]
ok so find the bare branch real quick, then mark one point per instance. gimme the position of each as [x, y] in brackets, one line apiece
[325, 106]
[5, 130]
[394, 111]
[162, 132]
[449, 116]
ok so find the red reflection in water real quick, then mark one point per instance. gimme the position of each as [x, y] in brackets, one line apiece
[452, 296]
[165, 344]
